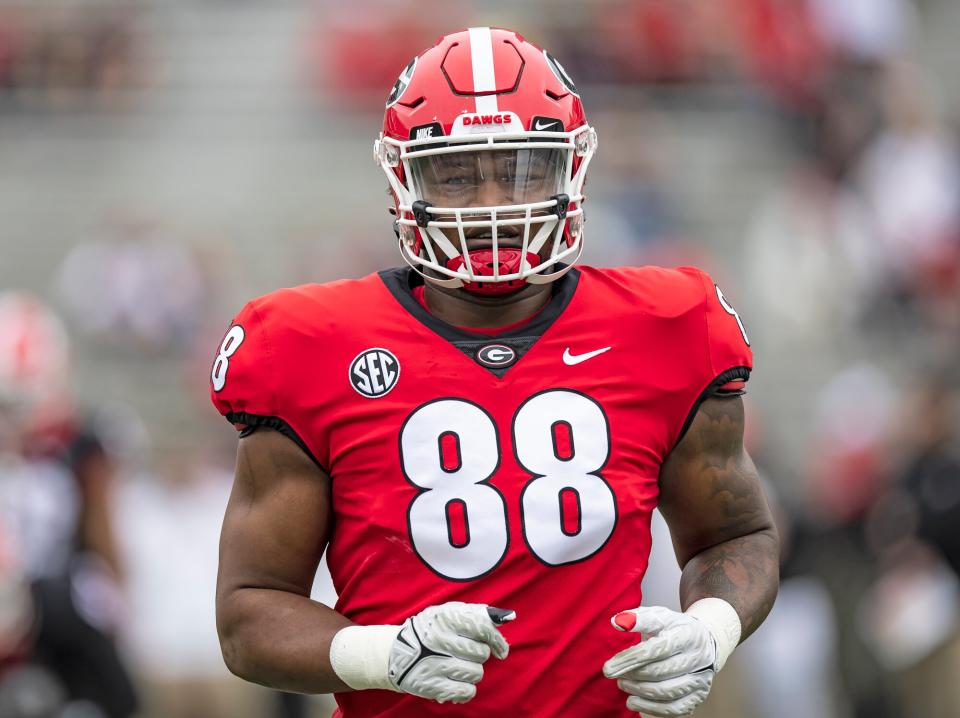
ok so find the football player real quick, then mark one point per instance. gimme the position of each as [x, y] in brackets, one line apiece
[56, 498]
[483, 435]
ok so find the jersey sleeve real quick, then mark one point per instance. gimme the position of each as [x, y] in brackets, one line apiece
[245, 382]
[242, 381]
[728, 358]
[731, 358]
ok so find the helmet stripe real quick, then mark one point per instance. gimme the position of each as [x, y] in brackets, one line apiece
[484, 79]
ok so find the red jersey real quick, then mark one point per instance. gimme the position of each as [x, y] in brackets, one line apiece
[517, 470]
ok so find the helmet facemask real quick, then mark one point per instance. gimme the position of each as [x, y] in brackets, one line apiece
[454, 236]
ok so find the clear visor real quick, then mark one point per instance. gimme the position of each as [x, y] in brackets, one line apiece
[486, 178]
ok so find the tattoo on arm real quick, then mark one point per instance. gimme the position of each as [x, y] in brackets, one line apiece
[722, 528]
[742, 571]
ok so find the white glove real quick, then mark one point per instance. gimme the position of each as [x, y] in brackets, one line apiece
[437, 654]
[671, 672]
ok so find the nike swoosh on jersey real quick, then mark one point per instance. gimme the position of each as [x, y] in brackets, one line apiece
[573, 359]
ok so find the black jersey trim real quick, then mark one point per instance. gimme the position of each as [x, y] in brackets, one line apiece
[400, 281]
[713, 389]
[252, 422]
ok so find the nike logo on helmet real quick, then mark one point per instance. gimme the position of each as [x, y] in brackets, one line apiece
[574, 359]
[544, 126]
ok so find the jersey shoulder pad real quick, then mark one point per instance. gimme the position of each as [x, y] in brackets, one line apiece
[691, 291]
[258, 359]
[694, 307]
[653, 291]
[243, 379]
[693, 340]
[265, 369]
[728, 346]
[728, 359]
[270, 335]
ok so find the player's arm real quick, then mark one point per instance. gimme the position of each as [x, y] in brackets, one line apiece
[95, 472]
[274, 533]
[722, 528]
[725, 540]
[275, 530]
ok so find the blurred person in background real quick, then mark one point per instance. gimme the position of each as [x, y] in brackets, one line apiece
[810, 251]
[55, 499]
[867, 554]
[171, 549]
[909, 181]
[17, 614]
[930, 473]
[847, 472]
[137, 286]
[911, 615]
[169, 543]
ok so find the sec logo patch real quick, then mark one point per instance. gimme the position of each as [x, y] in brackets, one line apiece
[374, 372]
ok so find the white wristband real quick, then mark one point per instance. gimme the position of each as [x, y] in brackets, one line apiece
[360, 656]
[723, 622]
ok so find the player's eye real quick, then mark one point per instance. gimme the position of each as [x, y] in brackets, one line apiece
[454, 170]
[532, 177]
[455, 186]
[457, 176]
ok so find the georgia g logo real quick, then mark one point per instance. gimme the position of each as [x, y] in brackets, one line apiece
[374, 372]
[496, 356]
[560, 73]
[402, 83]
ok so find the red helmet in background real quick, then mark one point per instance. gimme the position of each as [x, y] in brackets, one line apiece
[34, 358]
[483, 101]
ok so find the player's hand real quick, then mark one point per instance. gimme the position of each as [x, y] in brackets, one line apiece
[439, 653]
[671, 672]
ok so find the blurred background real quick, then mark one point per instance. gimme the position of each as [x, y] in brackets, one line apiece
[163, 161]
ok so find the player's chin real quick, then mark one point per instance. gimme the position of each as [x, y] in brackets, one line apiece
[504, 294]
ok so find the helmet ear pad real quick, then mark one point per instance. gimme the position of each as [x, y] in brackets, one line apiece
[483, 264]
[417, 242]
[410, 237]
[573, 228]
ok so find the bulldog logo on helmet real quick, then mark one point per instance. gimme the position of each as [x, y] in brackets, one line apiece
[402, 83]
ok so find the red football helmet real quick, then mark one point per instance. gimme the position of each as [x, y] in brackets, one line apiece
[485, 140]
[34, 354]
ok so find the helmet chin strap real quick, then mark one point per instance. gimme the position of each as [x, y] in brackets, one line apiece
[482, 265]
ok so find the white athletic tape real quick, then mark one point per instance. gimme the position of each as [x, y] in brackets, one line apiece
[723, 622]
[360, 656]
